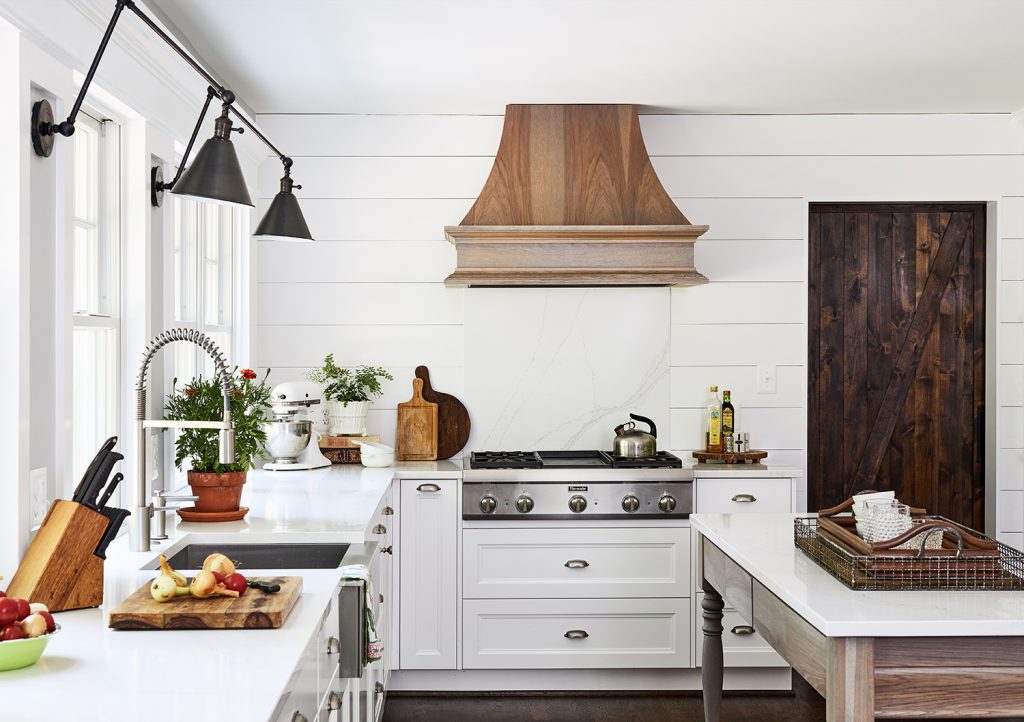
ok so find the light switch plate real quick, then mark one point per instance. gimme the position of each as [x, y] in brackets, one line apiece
[37, 482]
[767, 380]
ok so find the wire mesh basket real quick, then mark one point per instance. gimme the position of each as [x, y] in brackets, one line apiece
[955, 567]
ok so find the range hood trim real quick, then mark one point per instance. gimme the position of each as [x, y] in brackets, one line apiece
[573, 163]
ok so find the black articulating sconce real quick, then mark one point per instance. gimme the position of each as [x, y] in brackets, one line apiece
[216, 175]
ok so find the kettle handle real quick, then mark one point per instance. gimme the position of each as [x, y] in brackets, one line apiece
[654, 429]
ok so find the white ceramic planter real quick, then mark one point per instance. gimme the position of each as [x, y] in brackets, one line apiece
[347, 419]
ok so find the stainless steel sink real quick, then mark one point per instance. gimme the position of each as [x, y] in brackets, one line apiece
[262, 556]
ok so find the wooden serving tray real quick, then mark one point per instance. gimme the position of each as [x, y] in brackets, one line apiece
[255, 609]
[732, 457]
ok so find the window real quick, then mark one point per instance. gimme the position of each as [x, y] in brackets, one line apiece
[96, 281]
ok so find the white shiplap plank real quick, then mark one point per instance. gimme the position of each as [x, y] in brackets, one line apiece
[1011, 259]
[768, 428]
[1011, 217]
[1010, 303]
[377, 177]
[690, 386]
[965, 134]
[1010, 511]
[304, 346]
[739, 344]
[1010, 427]
[381, 135]
[844, 178]
[752, 260]
[1010, 469]
[355, 261]
[449, 379]
[747, 218]
[379, 219]
[355, 304]
[740, 303]
[1011, 343]
[1010, 385]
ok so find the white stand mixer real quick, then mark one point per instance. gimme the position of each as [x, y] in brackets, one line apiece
[291, 437]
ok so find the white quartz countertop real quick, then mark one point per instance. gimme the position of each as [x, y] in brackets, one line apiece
[744, 471]
[90, 673]
[763, 545]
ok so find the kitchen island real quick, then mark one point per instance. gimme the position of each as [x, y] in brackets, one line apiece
[886, 654]
[90, 673]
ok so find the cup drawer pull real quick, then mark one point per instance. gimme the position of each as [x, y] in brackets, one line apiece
[744, 498]
[576, 634]
[428, 487]
[577, 564]
[742, 629]
[380, 529]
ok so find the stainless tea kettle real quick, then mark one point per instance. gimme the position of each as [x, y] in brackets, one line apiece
[629, 443]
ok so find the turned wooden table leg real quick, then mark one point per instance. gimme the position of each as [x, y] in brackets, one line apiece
[850, 679]
[711, 662]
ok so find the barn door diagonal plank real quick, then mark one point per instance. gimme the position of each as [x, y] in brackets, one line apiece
[924, 317]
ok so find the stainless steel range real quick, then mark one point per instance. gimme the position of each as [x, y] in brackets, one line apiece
[574, 485]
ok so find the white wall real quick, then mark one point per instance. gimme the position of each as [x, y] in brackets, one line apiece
[379, 189]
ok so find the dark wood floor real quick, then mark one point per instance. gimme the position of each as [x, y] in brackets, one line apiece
[804, 705]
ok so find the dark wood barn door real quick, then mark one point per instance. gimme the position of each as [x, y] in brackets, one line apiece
[896, 358]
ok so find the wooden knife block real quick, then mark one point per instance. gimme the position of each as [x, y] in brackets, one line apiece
[61, 569]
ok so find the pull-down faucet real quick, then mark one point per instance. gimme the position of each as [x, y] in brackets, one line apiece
[138, 529]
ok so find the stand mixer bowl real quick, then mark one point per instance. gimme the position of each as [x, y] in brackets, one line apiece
[287, 438]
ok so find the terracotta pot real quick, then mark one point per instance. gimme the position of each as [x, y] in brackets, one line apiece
[217, 492]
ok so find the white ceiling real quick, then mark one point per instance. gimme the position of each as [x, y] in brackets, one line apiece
[703, 56]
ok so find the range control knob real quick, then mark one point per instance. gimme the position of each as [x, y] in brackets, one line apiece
[524, 504]
[577, 504]
[630, 503]
[488, 504]
[667, 503]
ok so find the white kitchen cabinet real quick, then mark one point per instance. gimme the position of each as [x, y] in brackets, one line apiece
[576, 633]
[301, 700]
[579, 563]
[428, 574]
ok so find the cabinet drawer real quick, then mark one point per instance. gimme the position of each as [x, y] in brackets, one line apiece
[738, 648]
[576, 633]
[328, 648]
[732, 496]
[577, 563]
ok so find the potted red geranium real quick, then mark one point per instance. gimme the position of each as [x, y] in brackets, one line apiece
[219, 486]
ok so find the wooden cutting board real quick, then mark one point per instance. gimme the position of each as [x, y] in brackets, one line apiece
[416, 437]
[254, 609]
[452, 418]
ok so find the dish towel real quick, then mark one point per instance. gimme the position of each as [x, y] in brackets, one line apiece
[374, 646]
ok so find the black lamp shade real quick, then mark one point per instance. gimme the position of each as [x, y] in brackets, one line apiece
[283, 221]
[215, 175]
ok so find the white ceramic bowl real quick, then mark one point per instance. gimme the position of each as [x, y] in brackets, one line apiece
[375, 455]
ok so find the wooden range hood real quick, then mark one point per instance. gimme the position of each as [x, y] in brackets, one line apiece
[572, 200]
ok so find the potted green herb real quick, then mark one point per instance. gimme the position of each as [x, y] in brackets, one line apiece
[348, 394]
[219, 486]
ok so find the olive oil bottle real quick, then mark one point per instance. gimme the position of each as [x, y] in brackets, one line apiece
[728, 422]
[714, 422]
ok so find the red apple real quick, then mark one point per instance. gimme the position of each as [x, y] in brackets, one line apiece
[50, 624]
[23, 609]
[2, 594]
[8, 612]
[236, 583]
[11, 631]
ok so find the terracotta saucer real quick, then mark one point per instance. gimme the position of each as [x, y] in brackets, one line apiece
[189, 513]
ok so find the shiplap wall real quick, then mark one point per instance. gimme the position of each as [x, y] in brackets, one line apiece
[379, 189]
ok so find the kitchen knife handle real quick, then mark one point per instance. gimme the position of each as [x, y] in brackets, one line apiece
[118, 477]
[268, 587]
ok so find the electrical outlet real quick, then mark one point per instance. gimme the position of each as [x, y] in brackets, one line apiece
[767, 380]
[37, 482]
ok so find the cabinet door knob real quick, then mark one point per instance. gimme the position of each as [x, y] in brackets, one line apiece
[299, 717]
[380, 529]
[333, 645]
[333, 701]
[744, 498]
[378, 687]
[387, 511]
[742, 629]
[576, 634]
[387, 550]
[380, 598]
[577, 564]
[428, 487]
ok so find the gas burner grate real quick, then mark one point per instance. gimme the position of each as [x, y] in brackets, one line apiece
[504, 460]
[662, 460]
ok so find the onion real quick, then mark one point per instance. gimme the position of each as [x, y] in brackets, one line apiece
[220, 564]
[165, 588]
[33, 625]
[37, 607]
[165, 567]
[206, 585]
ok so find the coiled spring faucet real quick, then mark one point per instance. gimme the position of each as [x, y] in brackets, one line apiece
[138, 528]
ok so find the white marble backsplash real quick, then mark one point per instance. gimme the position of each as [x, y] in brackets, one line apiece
[559, 368]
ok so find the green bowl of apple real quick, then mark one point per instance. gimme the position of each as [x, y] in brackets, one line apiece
[18, 653]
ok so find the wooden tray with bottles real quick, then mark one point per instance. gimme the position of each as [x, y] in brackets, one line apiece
[753, 456]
